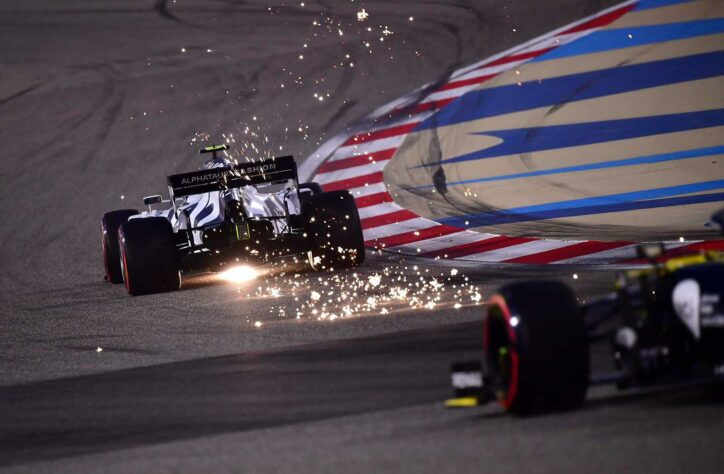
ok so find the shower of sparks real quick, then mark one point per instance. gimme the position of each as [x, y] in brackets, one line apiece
[326, 296]
[333, 296]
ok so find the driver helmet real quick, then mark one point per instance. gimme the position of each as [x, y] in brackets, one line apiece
[218, 162]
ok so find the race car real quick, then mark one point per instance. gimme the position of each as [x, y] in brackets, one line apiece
[664, 323]
[227, 213]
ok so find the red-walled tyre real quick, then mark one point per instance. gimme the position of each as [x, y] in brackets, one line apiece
[536, 348]
[110, 222]
[148, 256]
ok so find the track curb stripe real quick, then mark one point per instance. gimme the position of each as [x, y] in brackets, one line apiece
[571, 251]
[481, 246]
[412, 236]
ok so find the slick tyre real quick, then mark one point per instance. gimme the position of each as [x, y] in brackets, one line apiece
[536, 348]
[334, 231]
[148, 256]
[110, 222]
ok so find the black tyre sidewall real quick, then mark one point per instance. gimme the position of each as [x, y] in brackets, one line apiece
[549, 344]
[110, 222]
[149, 256]
[332, 222]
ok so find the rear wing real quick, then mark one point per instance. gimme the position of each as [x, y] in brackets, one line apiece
[246, 174]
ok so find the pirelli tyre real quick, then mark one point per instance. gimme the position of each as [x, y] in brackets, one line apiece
[334, 230]
[148, 256]
[110, 222]
[536, 348]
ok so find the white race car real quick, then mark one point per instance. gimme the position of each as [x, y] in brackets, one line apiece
[226, 213]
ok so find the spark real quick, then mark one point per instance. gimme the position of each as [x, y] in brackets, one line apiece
[362, 15]
[240, 274]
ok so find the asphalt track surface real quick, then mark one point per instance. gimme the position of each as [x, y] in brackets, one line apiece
[186, 381]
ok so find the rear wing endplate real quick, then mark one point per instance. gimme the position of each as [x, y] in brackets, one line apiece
[246, 174]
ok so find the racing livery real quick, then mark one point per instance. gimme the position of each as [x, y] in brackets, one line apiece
[226, 213]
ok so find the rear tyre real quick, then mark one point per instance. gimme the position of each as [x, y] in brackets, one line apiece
[148, 256]
[312, 186]
[110, 222]
[536, 348]
[334, 231]
[307, 191]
